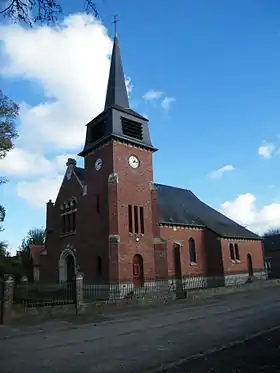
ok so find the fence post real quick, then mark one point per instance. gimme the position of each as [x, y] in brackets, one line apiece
[79, 296]
[8, 299]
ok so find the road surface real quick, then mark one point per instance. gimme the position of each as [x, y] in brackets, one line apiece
[140, 344]
[259, 355]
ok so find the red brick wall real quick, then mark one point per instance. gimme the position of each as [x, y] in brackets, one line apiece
[214, 258]
[182, 236]
[133, 188]
[55, 241]
[245, 247]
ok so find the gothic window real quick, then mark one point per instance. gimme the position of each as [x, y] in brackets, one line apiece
[141, 210]
[231, 251]
[136, 229]
[236, 249]
[130, 224]
[136, 216]
[68, 216]
[192, 252]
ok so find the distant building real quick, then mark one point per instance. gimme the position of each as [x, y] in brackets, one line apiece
[113, 223]
[271, 245]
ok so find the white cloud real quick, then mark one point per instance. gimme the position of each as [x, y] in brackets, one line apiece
[244, 211]
[71, 66]
[152, 95]
[266, 150]
[217, 174]
[38, 192]
[21, 163]
[166, 103]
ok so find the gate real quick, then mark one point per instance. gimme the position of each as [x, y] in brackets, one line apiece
[2, 291]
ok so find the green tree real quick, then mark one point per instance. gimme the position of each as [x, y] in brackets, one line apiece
[8, 133]
[34, 11]
[35, 236]
[3, 249]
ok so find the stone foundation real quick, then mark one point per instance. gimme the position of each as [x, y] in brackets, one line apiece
[164, 288]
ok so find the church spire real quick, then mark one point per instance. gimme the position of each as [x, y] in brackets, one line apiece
[116, 88]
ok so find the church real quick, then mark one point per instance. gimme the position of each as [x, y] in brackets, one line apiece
[112, 223]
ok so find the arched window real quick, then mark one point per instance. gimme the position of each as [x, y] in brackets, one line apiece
[231, 251]
[73, 213]
[99, 266]
[236, 249]
[68, 216]
[192, 250]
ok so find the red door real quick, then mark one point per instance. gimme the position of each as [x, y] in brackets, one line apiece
[138, 271]
[136, 275]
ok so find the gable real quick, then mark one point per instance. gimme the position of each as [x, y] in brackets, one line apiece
[72, 185]
[181, 206]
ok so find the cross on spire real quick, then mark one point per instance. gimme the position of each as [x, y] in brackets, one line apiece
[116, 88]
[115, 24]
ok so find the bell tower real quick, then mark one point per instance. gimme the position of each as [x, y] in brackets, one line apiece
[119, 175]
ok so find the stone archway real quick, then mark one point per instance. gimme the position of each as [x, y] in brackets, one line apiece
[138, 271]
[67, 265]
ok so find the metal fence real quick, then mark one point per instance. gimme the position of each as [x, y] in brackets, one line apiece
[157, 287]
[42, 295]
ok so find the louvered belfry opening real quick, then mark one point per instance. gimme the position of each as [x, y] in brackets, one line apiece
[98, 131]
[132, 129]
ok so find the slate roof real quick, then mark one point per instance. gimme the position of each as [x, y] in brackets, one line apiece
[116, 88]
[80, 172]
[181, 206]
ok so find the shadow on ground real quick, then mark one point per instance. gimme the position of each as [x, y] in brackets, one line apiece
[261, 354]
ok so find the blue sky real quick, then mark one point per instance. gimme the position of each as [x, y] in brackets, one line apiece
[219, 63]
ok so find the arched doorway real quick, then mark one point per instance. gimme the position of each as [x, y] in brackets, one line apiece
[177, 262]
[178, 267]
[250, 265]
[70, 264]
[67, 265]
[138, 271]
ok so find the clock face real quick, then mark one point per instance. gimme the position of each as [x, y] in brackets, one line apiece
[98, 164]
[133, 161]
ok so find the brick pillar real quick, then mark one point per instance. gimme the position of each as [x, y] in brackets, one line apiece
[79, 289]
[160, 252]
[114, 238]
[114, 242]
[49, 217]
[8, 299]
[156, 229]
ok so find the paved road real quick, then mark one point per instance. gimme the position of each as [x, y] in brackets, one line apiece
[144, 342]
[259, 355]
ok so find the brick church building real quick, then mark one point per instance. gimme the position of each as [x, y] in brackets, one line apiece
[111, 222]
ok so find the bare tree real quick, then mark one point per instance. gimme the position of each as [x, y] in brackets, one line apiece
[272, 232]
[38, 11]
